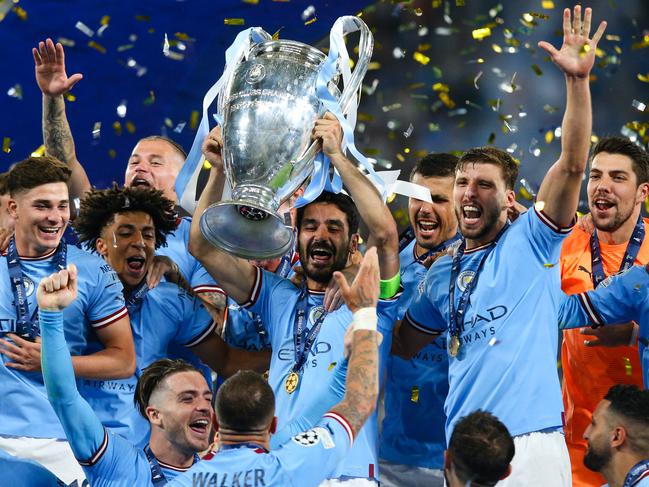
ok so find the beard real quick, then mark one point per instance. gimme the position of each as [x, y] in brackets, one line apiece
[324, 274]
[610, 225]
[596, 460]
[490, 216]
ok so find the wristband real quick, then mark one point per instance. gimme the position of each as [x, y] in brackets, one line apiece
[389, 287]
[365, 319]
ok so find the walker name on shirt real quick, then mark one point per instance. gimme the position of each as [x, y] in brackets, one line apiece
[247, 478]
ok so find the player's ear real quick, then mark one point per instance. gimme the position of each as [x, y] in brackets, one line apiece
[153, 415]
[273, 425]
[353, 243]
[102, 248]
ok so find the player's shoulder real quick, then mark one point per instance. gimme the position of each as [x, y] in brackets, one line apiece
[87, 261]
[169, 295]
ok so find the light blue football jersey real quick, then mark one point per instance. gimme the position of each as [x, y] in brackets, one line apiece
[26, 473]
[304, 461]
[618, 299]
[507, 359]
[118, 463]
[412, 432]
[275, 299]
[167, 315]
[24, 408]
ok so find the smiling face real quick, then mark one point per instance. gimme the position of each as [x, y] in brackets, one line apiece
[41, 215]
[481, 201]
[128, 245]
[154, 163]
[181, 407]
[323, 241]
[433, 223]
[613, 191]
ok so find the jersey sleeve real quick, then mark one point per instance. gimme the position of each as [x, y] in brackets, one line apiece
[263, 296]
[202, 282]
[312, 456]
[106, 303]
[196, 324]
[545, 236]
[423, 314]
[619, 299]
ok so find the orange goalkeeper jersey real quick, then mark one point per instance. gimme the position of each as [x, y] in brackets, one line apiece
[588, 372]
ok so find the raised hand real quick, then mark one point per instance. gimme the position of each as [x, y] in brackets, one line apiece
[212, 147]
[57, 291]
[577, 54]
[330, 133]
[50, 69]
[364, 291]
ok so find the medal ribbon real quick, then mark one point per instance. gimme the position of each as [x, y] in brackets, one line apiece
[157, 477]
[441, 247]
[456, 318]
[26, 325]
[632, 250]
[136, 296]
[637, 473]
[302, 348]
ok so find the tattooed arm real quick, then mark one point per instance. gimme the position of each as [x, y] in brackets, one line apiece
[362, 386]
[49, 62]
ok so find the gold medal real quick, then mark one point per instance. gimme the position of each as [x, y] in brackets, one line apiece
[454, 346]
[292, 380]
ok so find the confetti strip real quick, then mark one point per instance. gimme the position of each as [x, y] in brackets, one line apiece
[482, 33]
[84, 28]
[414, 394]
[234, 21]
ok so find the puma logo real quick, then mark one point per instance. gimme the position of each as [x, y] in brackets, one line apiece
[582, 268]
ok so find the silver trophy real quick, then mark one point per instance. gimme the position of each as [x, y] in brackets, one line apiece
[269, 107]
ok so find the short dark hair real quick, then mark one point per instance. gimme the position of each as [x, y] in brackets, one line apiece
[171, 142]
[153, 375]
[481, 448]
[495, 156]
[4, 187]
[99, 207]
[632, 404]
[621, 145]
[245, 403]
[36, 171]
[344, 204]
[439, 165]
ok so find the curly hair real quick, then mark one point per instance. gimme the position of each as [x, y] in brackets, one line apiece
[99, 207]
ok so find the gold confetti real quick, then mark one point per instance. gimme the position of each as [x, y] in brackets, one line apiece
[646, 204]
[112, 153]
[117, 127]
[446, 100]
[6, 143]
[391, 198]
[549, 136]
[130, 126]
[206, 165]
[540, 16]
[414, 394]
[433, 127]
[20, 12]
[420, 58]
[437, 3]
[642, 44]
[97, 46]
[497, 48]
[310, 21]
[142, 18]
[480, 34]
[251, 2]
[331, 366]
[276, 34]
[547, 4]
[401, 158]
[373, 66]
[548, 265]
[69, 97]
[105, 20]
[627, 365]
[40, 152]
[440, 87]
[537, 70]
[151, 98]
[234, 21]
[193, 120]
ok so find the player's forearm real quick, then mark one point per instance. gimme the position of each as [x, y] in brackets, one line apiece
[374, 213]
[110, 363]
[82, 427]
[577, 126]
[362, 386]
[59, 143]
[226, 360]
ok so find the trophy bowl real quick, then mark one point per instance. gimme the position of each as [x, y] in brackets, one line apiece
[269, 107]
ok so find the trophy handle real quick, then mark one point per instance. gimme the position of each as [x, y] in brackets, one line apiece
[365, 48]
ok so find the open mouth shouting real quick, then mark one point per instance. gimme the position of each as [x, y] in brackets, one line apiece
[135, 265]
[427, 228]
[201, 427]
[141, 183]
[321, 254]
[471, 214]
[602, 205]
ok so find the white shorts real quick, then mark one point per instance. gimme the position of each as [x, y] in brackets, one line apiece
[55, 455]
[355, 482]
[541, 460]
[400, 475]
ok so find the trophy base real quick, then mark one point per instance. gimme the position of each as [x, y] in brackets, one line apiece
[247, 231]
